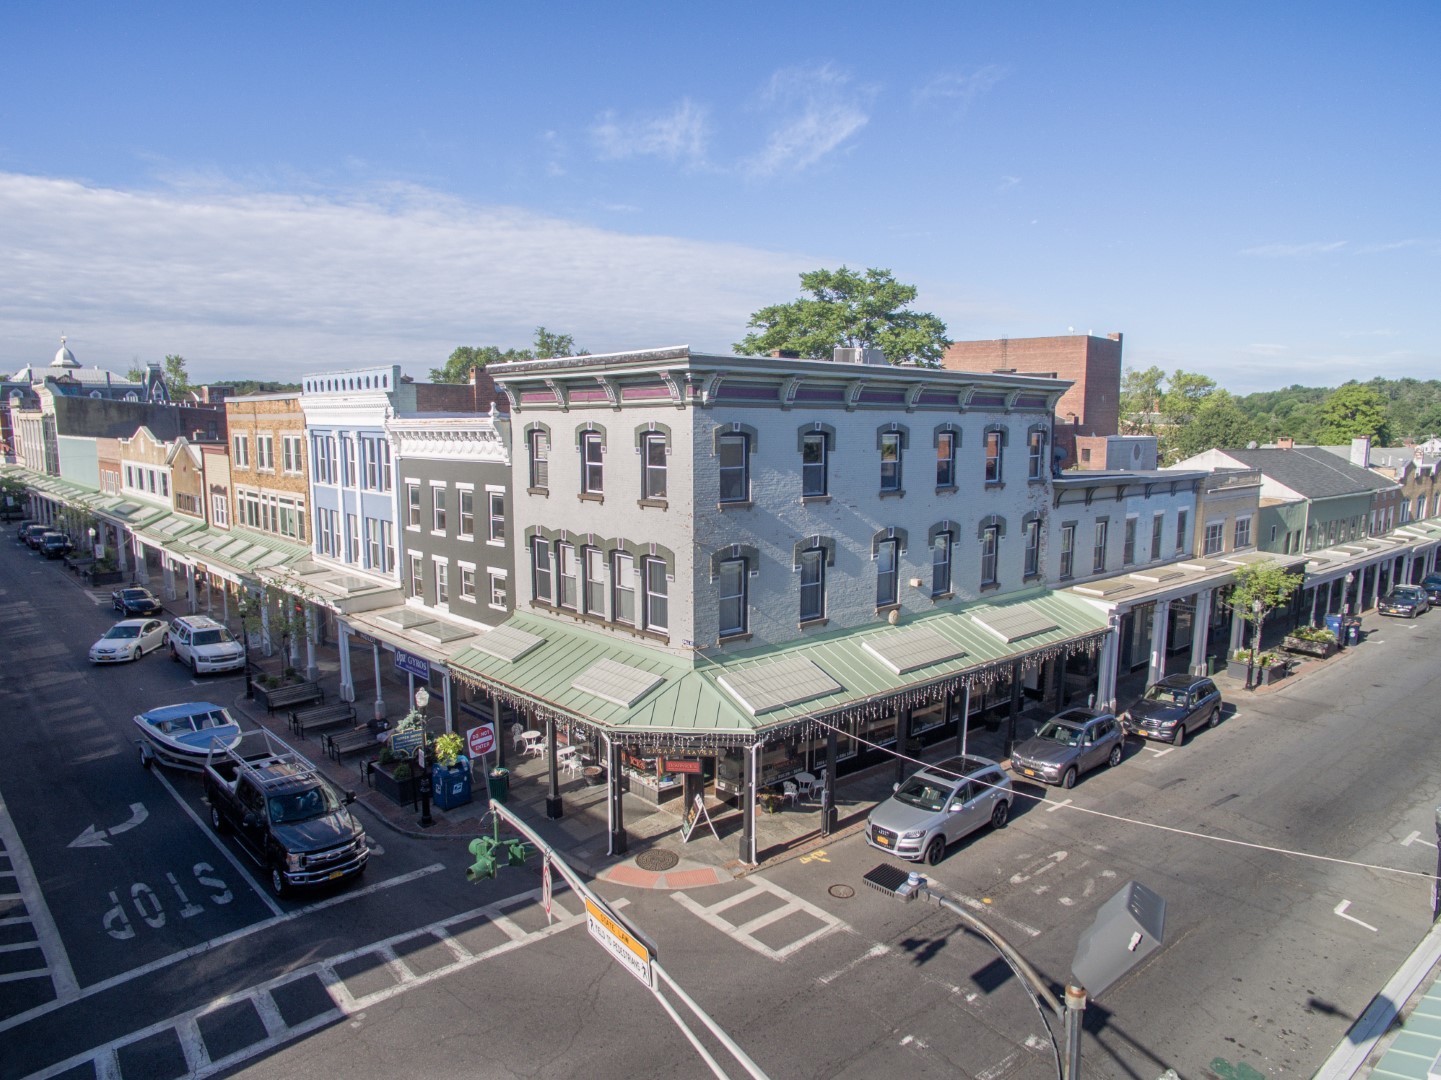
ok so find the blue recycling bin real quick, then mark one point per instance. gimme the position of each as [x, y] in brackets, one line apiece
[1333, 624]
[450, 787]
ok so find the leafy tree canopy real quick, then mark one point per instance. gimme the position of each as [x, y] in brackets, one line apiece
[846, 309]
[1354, 411]
[1260, 589]
[176, 377]
[468, 357]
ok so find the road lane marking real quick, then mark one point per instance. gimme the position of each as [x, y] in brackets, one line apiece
[185, 1028]
[1340, 910]
[1052, 807]
[1414, 838]
[790, 905]
[57, 961]
[870, 954]
[216, 943]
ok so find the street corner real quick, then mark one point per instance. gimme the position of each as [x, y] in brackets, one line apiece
[668, 875]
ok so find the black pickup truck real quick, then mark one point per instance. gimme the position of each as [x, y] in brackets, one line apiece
[286, 816]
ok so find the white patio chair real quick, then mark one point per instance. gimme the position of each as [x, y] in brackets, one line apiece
[789, 791]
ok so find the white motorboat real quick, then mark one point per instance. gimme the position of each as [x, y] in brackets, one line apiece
[182, 736]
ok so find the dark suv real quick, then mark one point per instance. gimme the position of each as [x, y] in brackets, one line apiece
[1175, 705]
[55, 544]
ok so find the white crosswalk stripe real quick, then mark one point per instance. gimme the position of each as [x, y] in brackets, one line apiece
[189, 1035]
[779, 905]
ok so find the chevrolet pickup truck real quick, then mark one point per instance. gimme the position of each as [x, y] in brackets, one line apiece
[285, 815]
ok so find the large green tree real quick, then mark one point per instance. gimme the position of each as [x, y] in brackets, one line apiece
[1140, 403]
[177, 379]
[468, 357]
[1217, 421]
[1355, 411]
[843, 308]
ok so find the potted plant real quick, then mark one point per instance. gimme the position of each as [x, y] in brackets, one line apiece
[769, 802]
[1314, 641]
[393, 775]
[450, 776]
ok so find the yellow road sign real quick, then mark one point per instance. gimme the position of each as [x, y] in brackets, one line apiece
[619, 942]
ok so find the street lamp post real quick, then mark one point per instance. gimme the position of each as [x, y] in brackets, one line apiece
[1256, 609]
[422, 699]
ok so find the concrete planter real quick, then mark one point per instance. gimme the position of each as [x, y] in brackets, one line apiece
[403, 792]
[1262, 676]
[1319, 649]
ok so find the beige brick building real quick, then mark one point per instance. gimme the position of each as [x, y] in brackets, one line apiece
[269, 469]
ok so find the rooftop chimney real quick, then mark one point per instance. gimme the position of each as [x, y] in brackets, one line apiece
[1361, 451]
[1285, 442]
[842, 355]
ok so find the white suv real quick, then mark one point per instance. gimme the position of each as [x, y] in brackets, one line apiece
[204, 644]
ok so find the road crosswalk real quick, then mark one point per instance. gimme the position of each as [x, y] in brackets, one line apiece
[777, 923]
[319, 994]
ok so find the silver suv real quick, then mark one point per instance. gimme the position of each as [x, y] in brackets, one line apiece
[939, 805]
[204, 644]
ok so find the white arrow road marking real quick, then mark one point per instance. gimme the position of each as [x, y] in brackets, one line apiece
[1340, 910]
[93, 837]
[1414, 837]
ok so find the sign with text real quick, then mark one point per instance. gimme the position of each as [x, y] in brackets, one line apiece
[415, 665]
[480, 740]
[681, 765]
[619, 942]
[407, 742]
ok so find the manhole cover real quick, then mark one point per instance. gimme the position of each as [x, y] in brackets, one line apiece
[657, 859]
[842, 892]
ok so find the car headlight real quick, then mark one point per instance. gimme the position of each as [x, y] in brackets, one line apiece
[916, 835]
[294, 862]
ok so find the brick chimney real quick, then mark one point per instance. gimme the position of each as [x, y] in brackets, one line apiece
[1285, 442]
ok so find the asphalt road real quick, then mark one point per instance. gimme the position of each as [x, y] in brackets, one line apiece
[170, 959]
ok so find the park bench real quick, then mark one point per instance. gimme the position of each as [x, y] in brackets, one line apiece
[349, 742]
[285, 697]
[321, 718]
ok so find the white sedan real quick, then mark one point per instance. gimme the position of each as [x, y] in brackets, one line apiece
[129, 639]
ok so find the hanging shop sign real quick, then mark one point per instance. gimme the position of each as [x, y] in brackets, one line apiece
[415, 665]
[681, 765]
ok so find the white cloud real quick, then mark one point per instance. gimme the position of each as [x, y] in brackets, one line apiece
[679, 135]
[1291, 251]
[817, 110]
[958, 90]
[270, 285]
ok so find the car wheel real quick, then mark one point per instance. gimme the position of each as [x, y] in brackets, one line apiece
[1000, 815]
[174, 655]
[135, 653]
[936, 851]
[145, 759]
[1068, 781]
[1215, 716]
[278, 885]
[194, 667]
[1115, 758]
[216, 821]
[1179, 739]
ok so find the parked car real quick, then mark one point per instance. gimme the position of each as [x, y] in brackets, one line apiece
[31, 534]
[1176, 705]
[24, 527]
[1069, 744]
[939, 805]
[136, 601]
[205, 645]
[55, 544]
[129, 639]
[1432, 584]
[286, 817]
[1407, 601]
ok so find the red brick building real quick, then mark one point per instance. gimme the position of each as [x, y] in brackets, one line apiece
[1092, 364]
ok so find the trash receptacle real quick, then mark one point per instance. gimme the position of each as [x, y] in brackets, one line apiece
[1353, 631]
[500, 785]
[1333, 624]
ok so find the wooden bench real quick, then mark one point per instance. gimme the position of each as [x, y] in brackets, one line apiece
[349, 742]
[321, 718]
[285, 697]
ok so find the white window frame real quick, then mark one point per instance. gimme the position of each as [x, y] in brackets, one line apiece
[438, 508]
[441, 566]
[412, 505]
[495, 523]
[496, 574]
[417, 576]
[465, 529]
[467, 580]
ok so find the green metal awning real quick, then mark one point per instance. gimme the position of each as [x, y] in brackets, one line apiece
[581, 674]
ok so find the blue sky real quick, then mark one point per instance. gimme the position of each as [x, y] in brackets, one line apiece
[1246, 190]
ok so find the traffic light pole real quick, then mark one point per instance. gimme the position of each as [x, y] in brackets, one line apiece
[576, 883]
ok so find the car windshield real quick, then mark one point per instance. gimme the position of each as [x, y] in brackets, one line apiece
[923, 793]
[133, 594]
[1408, 592]
[1064, 734]
[302, 805]
[1166, 695]
[123, 632]
[212, 637]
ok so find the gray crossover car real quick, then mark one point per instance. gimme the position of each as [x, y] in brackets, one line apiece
[1069, 744]
[938, 805]
[1174, 706]
[1408, 601]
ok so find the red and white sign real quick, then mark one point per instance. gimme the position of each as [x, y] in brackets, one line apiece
[481, 740]
[545, 887]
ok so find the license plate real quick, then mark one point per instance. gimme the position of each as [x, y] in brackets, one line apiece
[884, 841]
[335, 874]
[1029, 772]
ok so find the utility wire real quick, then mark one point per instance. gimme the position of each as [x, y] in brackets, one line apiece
[1136, 821]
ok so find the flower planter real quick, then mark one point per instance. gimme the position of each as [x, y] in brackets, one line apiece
[403, 792]
[593, 775]
[1261, 676]
[1319, 649]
